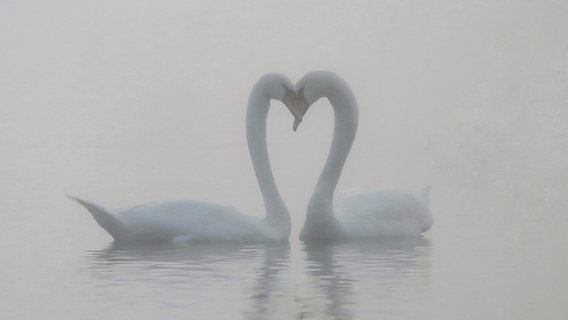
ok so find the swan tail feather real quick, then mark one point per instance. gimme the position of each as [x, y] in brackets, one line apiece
[116, 228]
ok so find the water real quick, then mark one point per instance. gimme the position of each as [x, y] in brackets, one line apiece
[492, 253]
[264, 281]
[124, 103]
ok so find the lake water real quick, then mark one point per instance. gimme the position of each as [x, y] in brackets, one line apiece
[128, 102]
[493, 252]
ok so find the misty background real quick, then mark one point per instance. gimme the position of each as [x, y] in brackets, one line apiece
[126, 102]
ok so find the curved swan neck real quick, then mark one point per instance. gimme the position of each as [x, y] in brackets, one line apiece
[346, 121]
[277, 215]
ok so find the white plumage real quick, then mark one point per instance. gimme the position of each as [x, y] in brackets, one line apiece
[358, 212]
[198, 221]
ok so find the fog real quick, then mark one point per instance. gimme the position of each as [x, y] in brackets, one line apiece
[126, 102]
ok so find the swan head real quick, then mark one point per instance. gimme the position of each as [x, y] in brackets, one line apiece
[278, 87]
[311, 88]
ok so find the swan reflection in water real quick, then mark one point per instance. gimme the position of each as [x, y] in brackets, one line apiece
[347, 275]
[326, 280]
[203, 279]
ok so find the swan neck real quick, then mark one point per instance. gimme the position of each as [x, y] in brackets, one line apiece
[277, 215]
[346, 122]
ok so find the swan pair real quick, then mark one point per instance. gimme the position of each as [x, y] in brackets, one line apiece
[359, 213]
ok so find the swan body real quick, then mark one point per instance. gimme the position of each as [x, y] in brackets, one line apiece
[359, 212]
[199, 221]
[382, 212]
[181, 221]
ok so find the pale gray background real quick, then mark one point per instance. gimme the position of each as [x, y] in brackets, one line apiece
[125, 102]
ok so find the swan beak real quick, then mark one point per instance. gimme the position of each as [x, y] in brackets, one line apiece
[301, 105]
[290, 102]
[296, 124]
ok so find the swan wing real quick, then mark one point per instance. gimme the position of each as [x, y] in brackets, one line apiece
[381, 212]
[194, 221]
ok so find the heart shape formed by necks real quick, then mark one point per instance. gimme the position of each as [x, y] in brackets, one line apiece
[359, 212]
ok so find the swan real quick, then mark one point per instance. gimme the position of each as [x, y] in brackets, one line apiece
[359, 212]
[198, 221]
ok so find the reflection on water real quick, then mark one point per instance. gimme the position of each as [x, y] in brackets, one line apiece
[221, 279]
[366, 273]
[269, 287]
[326, 281]
[117, 254]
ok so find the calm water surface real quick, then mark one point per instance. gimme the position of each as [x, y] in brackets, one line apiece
[490, 254]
